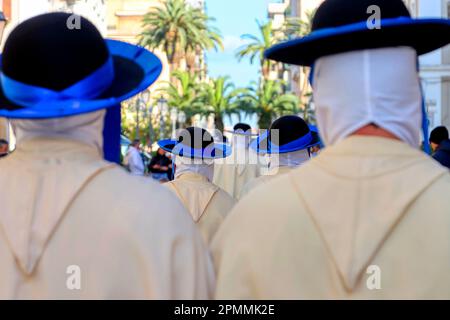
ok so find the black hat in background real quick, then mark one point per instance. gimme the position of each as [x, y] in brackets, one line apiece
[286, 134]
[439, 134]
[197, 143]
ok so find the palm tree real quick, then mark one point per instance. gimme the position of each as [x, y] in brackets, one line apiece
[177, 29]
[267, 101]
[296, 27]
[256, 47]
[218, 98]
[186, 95]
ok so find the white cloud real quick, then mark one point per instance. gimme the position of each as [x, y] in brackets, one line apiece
[232, 43]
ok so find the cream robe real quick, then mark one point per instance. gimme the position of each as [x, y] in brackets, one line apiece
[207, 203]
[231, 175]
[313, 233]
[129, 237]
[252, 184]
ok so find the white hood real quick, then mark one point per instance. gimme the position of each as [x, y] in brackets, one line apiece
[204, 168]
[379, 86]
[289, 159]
[86, 128]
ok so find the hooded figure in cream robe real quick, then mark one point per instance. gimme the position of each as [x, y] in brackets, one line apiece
[206, 202]
[233, 173]
[287, 144]
[72, 225]
[369, 218]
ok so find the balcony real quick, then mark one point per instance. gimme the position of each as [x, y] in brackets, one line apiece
[278, 7]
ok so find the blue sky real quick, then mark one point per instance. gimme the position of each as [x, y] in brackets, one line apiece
[234, 18]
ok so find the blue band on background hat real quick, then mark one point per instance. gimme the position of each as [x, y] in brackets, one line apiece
[291, 146]
[38, 97]
[304, 142]
[185, 151]
[215, 151]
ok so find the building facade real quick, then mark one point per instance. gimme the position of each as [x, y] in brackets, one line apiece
[435, 67]
[124, 23]
[295, 77]
[20, 10]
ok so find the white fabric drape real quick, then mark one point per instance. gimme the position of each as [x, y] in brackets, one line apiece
[379, 86]
[198, 166]
[135, 162]
[290, 159]
[86, 128]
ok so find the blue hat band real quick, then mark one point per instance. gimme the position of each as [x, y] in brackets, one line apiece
[302, 142]
[185, 151]
[213, 151]
[37, 97]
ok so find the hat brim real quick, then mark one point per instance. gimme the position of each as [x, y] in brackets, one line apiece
[219, 151]
[262, 140]
[424, 35]
[135, 69]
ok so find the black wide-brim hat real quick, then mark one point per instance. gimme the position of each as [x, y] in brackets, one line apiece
[293, 134]
[342, 25]
[195, 143]
[49, 70]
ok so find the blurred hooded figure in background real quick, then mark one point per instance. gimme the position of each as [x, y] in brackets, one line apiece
[233, 173]
[194, 152]
[287, 143]
[133, 159]
[351, 223]
[72, 225]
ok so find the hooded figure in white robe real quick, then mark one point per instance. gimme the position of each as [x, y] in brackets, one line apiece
[287, 144]
[72, 225]
[369, 218]
[133, 160]
[233, 173]
[207, 203]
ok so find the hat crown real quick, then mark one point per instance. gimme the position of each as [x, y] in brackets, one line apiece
[53, 51]
[288, 129]
[195, 138]
[336, 13]
[243, 127]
